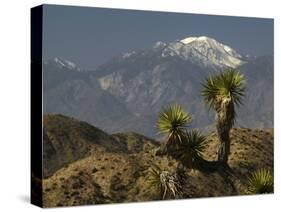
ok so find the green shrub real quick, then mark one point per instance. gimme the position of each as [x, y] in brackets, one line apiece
[260, 182]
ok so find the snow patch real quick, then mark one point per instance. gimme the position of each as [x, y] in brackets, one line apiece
[62, 63]
[188, 40]
[159, 44]
[128, 54]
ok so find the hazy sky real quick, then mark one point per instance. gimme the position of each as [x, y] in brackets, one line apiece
[89, 36]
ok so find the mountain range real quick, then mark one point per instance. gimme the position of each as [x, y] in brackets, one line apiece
[127, 92]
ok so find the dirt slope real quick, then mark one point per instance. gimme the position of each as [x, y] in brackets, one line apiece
[105, 176]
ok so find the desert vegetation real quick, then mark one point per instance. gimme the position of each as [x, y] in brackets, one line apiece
[84, 165]
[260, 182]
[166, 183]
[184, 146]
[221, 92]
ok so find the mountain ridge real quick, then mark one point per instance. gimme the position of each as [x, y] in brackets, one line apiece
[66, 140]
[127, 92]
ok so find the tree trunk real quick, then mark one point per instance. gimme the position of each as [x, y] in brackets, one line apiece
[224, 145]
[225, 120]
[180, 172]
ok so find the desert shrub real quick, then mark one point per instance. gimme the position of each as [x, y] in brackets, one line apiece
[190, 151]
[165, 183]
[260, 182]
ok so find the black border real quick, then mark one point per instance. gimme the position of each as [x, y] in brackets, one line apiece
[36, 105]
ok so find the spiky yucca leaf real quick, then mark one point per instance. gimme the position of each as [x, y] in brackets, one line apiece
[260, 182]
[190, 151]
[164, 182]
[154, 178]
[227, 84]
[172, 122]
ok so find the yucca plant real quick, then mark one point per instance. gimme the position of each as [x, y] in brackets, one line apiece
[190, 151]
[260, 182]
[172, 122]
[184, 146]
[164, 182]
[222, 92]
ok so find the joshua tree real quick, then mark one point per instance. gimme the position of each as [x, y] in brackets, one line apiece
[173, 122]
[260, 182]
[222, 92]
[186, 147]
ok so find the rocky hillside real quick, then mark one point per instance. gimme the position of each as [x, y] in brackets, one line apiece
[115, 168]
[67, 139]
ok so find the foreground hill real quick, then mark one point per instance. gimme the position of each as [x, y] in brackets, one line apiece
[100, 175]
[67, 140]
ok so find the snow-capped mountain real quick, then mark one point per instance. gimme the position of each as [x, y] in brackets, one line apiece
[127, 92]
[205, 51]
[124, 76]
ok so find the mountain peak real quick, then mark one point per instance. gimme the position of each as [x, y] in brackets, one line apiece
[200, 38]
[205, 51]
[188, 40]
[191, 39]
